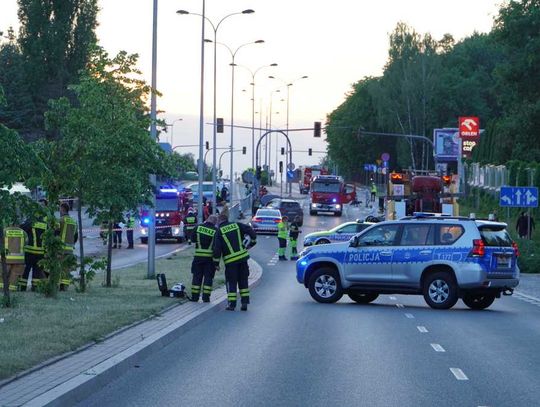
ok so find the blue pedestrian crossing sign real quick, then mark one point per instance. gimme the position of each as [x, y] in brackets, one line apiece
[519, 197]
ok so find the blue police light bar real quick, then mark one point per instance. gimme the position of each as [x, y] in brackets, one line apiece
[146, 221]
[334, 200]
[168, 189]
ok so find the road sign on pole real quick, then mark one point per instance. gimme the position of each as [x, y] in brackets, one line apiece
[519, 197]
[385, 157]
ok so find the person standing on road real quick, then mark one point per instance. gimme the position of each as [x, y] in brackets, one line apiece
[117, 234]
[204, 266]
[224, 193]
[525, 226]
[130, 227]
[283, 230]
[373, 192]
[189, 224]
[294, 231]
[229, 243]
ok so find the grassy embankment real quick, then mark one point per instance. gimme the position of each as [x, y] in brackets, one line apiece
[39, 328]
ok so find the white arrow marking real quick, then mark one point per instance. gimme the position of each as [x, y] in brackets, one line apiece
[518, 197]
[506, 199]
[530, 197]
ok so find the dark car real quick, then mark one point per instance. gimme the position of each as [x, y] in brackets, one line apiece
[287, 207]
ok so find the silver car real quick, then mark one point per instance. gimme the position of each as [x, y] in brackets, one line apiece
[266, 221]
[443, 259]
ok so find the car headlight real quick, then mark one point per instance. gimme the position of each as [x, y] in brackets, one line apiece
[304, 252]
[338, 206]
[313, 205]
[175, 231]
[144, 231]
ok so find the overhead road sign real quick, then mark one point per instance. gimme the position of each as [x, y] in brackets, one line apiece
[519, 197]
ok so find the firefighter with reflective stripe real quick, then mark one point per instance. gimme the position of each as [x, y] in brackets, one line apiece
[34, 251]
[69, 235]
[229, 243]
[204, 265]
[294, 231]
[283, 231]
[14, 242]
[189, 224]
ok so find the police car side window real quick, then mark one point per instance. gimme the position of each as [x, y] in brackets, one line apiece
[416, 235]
[347, 229]
[383, 235]
[448, 234]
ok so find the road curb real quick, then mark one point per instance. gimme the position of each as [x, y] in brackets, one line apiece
[92, 380]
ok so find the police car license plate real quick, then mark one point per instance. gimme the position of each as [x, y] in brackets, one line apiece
[504, 261]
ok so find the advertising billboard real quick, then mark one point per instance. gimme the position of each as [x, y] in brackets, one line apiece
[446, 144]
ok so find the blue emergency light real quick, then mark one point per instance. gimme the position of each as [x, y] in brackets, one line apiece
[334, 200]
[146, 221]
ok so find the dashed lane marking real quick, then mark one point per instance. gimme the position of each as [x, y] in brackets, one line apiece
[410, 316]
[458, 373]
[527, 298]
[400, 305]
[437, 348]
[422, 329]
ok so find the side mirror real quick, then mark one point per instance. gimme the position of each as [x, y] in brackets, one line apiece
[355, 241]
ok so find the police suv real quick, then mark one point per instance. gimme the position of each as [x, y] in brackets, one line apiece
[443, 258]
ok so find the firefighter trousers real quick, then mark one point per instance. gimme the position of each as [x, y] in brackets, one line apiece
[32, 264]
[282, 246]
[294, 244]
[203, 278]
[236, 277]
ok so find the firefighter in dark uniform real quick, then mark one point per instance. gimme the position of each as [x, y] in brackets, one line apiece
[204, 266]
[229, 243]
[34, 251]
[14, 243]
[130, 225]
[69, 235]
[294, 231]
[189, 224]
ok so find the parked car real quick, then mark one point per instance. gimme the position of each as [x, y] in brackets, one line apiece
[441, 258]
[287, 207]
[266, 221]
[207, 188]
[340, 233]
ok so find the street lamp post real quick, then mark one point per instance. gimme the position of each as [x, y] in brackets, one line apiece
[288, 84]
[215, 28]
[172, 129]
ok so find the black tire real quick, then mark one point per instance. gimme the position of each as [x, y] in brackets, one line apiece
[325, 286]
[338, 214]
[363, 298]
[478, 301]
[322, 241]
[440, 290]
[144, 240]
[313, 213]
[179, 239]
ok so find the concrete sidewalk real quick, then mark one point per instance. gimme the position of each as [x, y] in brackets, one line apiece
[74, 376]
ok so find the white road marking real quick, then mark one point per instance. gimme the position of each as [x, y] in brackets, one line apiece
[422, 329]
[437, 348]
[410, 316]
[393, 298]
[458, 373]
[527, 298]
[400, 305]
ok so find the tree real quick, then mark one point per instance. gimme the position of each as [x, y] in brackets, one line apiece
[104, 149]
[55, 38]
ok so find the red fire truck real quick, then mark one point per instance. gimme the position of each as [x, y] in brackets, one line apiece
[307, 175]
[171, 206]
[329, 193]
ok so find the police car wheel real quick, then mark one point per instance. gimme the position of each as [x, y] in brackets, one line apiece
[478, 301]
[322, 241]
[338, 214]
[312, 213]
[324, 285]
[144, 240]
[361, 298]
[440, 291]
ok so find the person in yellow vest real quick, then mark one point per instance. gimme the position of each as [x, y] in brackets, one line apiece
[190, 221]
[282, 235]
[68, 234]
[14, 242]
[34, 252]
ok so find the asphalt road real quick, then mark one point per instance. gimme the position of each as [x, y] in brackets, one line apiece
[288, 350]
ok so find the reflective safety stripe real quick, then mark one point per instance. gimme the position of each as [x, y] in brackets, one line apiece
[204, 252]
[233, 256]
[231, 296]
[199, 250]
[206, 231]
[11, 287]
[65, 282]
[207, 289]
[244, 292]
[37, 243]
[68, 227]
[196, 289]
[240, 256]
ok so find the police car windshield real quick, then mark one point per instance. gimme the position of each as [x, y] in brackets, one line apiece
[325, 187]
[167, 204]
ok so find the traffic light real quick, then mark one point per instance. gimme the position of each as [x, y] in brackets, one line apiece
[281, 167]
[317, 129]
[258, 172]
[244, 150]
[207, 144]
[219, 125]
[282, 150]
[310, 151]
[447, 180]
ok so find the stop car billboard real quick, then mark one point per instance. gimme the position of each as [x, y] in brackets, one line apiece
[469, 131]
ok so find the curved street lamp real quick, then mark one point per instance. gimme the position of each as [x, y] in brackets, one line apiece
[215, 28]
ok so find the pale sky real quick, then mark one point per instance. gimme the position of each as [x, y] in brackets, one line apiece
[334, 43]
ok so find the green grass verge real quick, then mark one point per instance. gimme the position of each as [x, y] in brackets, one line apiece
[39, 328]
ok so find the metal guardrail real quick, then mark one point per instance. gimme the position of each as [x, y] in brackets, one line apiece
[243, 206]
[490, 177]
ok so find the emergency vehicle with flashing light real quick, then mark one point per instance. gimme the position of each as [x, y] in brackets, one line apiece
[443, 258]
[170, 211]
[328, 193]
[340, 233]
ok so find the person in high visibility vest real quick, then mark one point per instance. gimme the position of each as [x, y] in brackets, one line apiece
[229, 243]
[283, 231]
[190, 222]
[373, 192]
[34, 251]
[294, 231]
[69, 235]
[204, 265]
[14, 242]
[130, 225]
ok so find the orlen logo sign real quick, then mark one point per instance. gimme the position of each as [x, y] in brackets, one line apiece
[469, 127]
